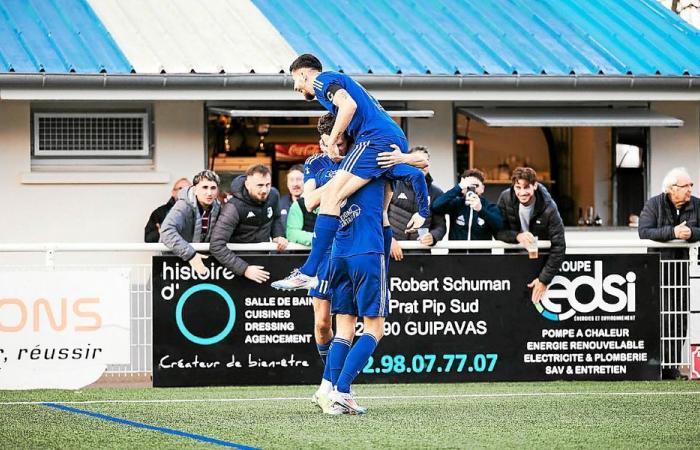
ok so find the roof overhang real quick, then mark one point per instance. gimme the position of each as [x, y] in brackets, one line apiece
[571, 117]
[42, 86]
[423, 114]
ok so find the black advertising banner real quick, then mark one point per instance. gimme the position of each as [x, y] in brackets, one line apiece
[452, 318]
[227, 330]
[470, 318]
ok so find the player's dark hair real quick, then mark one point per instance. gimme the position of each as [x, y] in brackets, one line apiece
[325, 124]
[306, 61]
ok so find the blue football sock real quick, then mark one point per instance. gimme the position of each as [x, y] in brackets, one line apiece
[388, 236]
[356, 360]
[324, 233]
[323, 350]
[336, 357]
[327, 367]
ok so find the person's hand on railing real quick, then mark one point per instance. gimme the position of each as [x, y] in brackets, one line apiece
[396, 251]
[682, 231]
[197, 264]
[538, 290]
[525, 238]
[281, 243]
[257, 274]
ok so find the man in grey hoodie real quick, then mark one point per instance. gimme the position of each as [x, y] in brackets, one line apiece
[192, 219]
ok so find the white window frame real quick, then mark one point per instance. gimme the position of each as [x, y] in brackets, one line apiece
[66, 154]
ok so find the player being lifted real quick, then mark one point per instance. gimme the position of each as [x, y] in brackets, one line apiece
[372, 131]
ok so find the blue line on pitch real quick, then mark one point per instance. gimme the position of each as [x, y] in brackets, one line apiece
[197, 437]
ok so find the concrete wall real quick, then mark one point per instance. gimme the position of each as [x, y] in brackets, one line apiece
[591, 160]
[101, 212]
[438, 135]
[673, 147]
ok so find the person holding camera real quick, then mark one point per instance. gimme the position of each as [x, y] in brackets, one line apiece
[472, 217]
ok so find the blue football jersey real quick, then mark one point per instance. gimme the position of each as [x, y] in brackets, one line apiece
[370, 120]
[319, 167]
[361, 229]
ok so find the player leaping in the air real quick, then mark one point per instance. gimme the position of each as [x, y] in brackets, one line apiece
[373, 132]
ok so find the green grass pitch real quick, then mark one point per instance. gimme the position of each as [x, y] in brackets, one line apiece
[474, 415]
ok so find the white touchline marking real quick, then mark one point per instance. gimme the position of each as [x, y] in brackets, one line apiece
[377, 397]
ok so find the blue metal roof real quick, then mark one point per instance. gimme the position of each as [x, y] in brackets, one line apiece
[552, 37]
[56, 36]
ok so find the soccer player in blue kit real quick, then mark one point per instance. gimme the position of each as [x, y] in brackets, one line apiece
[318, 170]
[372, 131]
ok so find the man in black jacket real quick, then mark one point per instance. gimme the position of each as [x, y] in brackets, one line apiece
[251, 215]
[530, 213]
[673, 214]
[472, 217]
[152, 230]
[404, 205]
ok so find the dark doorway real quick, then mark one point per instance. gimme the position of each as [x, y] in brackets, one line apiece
[630, 152]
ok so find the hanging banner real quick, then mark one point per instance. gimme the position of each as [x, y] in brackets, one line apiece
[60, 329]
[452, 318]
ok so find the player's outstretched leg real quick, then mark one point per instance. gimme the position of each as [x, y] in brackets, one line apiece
[342, 186]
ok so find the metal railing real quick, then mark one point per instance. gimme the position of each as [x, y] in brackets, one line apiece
[674, 285]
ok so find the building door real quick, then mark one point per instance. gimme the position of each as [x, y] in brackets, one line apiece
[630, 152]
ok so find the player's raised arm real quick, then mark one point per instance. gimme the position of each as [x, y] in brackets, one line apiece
[346, 110]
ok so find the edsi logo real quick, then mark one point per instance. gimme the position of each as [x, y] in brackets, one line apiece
[231, 314]
[562, 288]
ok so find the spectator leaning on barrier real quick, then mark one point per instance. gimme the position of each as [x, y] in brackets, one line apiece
[472, 217]
[673, 214]
[295, 186]
[530, 213]
[251, 215]
[152, 230]
[300, 223]
[192, 219]
[404, 205]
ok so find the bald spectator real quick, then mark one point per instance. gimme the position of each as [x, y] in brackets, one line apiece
[152, 231]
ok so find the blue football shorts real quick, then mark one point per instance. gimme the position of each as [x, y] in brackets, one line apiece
[362, 159]
[359, 285]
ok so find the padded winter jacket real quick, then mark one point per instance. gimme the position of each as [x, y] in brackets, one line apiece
[183, 224]
[545, 223]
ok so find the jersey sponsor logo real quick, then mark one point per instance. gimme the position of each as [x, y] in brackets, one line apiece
[329, 96]
[352, 213]
[269, 212]
[250, 214]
